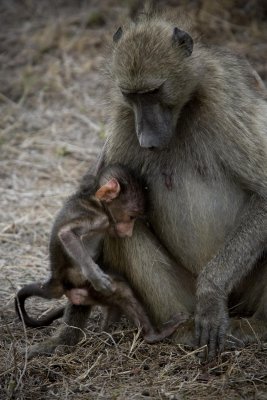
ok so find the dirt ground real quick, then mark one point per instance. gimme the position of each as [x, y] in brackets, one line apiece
[52, 126]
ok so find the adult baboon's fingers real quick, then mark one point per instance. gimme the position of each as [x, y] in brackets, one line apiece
[221, 337]
[198, 329]
[203, 341]
[213, 343]
[205, 333]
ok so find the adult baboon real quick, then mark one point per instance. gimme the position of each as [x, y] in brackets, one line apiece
[191, 122]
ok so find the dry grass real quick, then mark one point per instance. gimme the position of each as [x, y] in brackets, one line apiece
[52, 128]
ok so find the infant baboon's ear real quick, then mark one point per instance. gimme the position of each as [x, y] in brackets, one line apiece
[109, 191]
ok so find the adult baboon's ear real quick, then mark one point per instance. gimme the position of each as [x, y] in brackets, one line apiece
[117, 35]
[183, 39]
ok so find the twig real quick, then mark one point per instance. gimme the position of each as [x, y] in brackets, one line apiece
[26, 349]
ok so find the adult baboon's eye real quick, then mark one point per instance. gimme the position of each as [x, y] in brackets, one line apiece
[128, 95]
[154, 91]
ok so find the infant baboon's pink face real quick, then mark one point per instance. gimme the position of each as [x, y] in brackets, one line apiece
[124, 216]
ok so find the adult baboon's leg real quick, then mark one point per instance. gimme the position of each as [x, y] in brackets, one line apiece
[164, 286]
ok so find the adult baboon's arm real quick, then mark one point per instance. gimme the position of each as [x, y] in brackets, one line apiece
[242, 247]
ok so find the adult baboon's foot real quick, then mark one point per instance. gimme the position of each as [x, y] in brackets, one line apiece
[245, 331]
[185, 333]
[241, 332]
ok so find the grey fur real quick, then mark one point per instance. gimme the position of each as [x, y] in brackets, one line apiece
[207, 182]
[213, 219]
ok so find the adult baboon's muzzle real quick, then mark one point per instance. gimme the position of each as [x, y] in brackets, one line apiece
[153, 125]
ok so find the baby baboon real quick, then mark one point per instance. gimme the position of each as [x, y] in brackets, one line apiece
[189, 119]
[109, 204]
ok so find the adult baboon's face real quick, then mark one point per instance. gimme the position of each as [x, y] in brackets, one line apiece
[148, 65]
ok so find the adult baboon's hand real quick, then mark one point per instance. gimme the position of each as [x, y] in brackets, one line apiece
[211, 322]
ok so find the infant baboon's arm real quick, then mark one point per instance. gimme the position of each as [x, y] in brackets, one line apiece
[79, 241]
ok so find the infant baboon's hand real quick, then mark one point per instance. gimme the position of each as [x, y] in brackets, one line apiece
[103, 283]
[78, 296]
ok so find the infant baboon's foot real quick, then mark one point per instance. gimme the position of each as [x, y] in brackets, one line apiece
[167, 329]
[176, 321]
[66, 339]
[46, 348]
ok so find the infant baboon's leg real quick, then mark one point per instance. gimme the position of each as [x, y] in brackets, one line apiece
[69, 334]
[125, 298]
[111, 315]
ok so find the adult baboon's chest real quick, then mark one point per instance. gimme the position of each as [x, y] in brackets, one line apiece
[193, 203]
[192, 214]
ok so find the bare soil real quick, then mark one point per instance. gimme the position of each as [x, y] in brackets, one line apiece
[52, 127]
